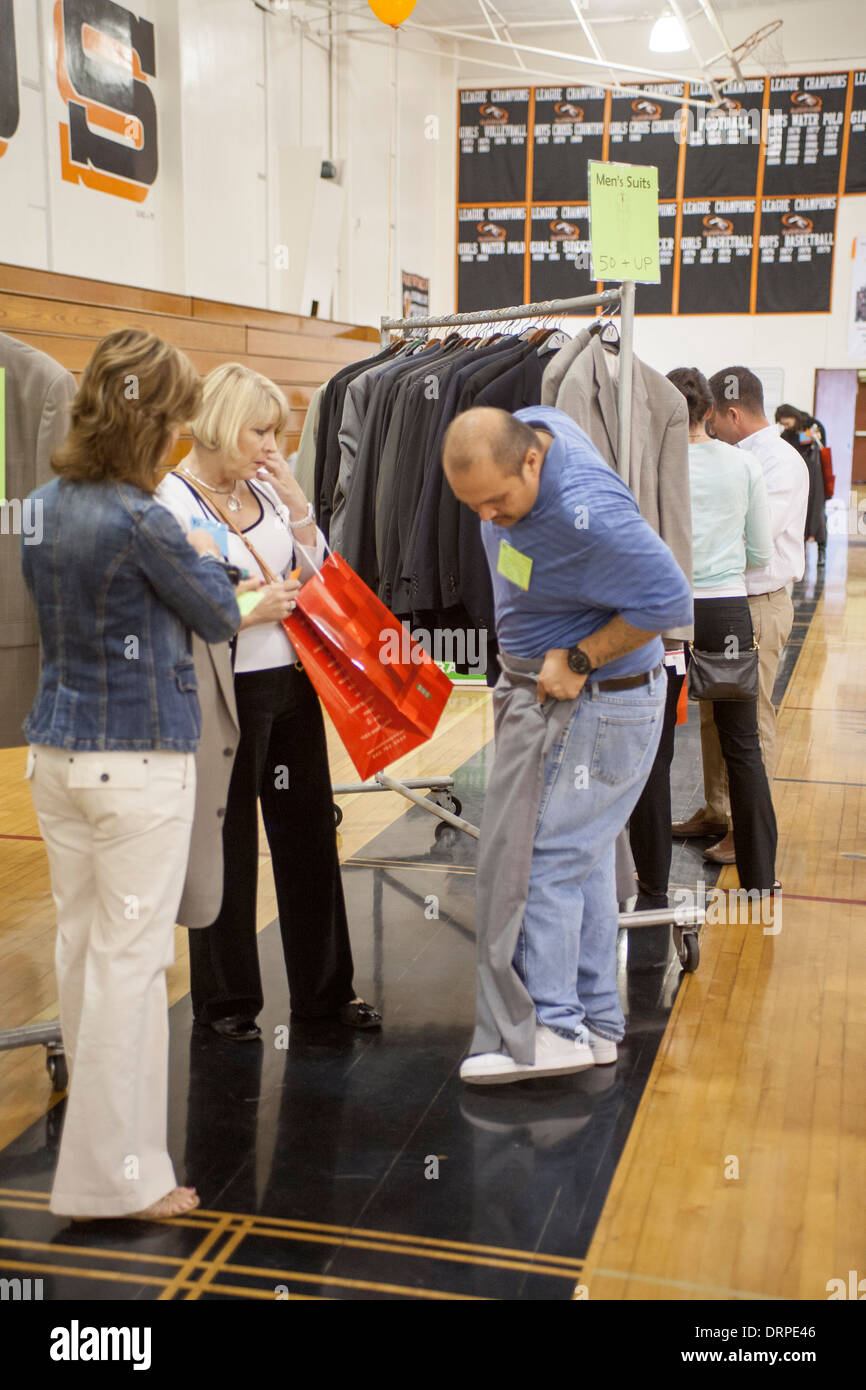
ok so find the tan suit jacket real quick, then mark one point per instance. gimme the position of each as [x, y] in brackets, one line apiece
[38, 392]
[220, 734]
[658, 470]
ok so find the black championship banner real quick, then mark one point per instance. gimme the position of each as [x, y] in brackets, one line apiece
[491, 247]
[656, 299]
[795, 265]
[493, 140]
[646, 130]
[723, 145]
[804, 133]
[716, 255]
[559, 252]
[568, 130]
[855, 179]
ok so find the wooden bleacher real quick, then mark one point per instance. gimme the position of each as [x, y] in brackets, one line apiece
[65, 316]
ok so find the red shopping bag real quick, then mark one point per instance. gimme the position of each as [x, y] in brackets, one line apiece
[380, 687]
[827, 473]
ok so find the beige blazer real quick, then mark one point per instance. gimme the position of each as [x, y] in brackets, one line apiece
[38, 392]
[220, 734]
[658, 471]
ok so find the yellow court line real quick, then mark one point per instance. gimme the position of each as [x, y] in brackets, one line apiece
[32, 1267]
[523, 1266]
[283, 1275]
[210, 1268]
[23, 1192]
[566, 1261]
[92, 1250]
[213, 1268]
[684, 1284]
[189, 1266]
[370, 1239]
[186, 1266]
[243, 1292]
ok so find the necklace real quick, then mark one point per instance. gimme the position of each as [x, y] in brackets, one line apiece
[232, 502]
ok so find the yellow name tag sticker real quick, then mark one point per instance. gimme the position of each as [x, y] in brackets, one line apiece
[514, 565]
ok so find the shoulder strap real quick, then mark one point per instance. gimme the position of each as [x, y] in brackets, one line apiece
[215, 507]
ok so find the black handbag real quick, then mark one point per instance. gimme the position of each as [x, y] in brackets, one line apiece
[717, 676]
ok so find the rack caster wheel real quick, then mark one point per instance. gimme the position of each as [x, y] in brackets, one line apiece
[338, 814]
[689, 952]
[448, 802]
[55, 1065]
[446, 835]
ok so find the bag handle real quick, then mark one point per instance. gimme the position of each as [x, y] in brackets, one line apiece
[215, 507]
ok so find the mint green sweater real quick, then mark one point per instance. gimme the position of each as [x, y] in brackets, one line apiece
[730, 516]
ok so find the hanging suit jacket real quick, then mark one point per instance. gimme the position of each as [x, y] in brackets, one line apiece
[38, 392]
[658, 469]
[305, 463]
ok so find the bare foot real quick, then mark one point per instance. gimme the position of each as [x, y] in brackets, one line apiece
[175, 1203]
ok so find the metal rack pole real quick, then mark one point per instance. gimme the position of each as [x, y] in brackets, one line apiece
[544, 309]
[626, 376]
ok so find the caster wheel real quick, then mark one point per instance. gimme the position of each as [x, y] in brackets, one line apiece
[55, 1064]
[446, 836]
[338, 814]
[689, 952]
[448, 803]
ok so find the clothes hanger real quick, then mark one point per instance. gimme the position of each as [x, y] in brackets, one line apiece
[610, 337]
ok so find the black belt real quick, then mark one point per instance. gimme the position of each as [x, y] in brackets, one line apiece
[630, 682]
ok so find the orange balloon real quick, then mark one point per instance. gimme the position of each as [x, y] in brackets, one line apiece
[392, 12]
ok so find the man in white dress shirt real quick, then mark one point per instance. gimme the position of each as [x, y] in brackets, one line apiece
[738, 418]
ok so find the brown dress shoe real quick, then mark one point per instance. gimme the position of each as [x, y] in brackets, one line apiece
[697, 827]
[723, 852]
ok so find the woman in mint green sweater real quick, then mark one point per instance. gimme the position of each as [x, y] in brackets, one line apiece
[730, 533]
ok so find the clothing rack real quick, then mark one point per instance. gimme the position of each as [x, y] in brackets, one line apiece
[444, 805]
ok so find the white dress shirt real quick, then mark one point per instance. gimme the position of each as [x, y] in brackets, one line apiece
[787, 480]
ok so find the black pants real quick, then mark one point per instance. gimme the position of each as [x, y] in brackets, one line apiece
[281, 760]
[752, 814]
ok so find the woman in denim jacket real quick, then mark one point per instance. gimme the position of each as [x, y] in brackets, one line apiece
[112, 733]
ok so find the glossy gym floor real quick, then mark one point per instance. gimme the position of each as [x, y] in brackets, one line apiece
[720, 1158]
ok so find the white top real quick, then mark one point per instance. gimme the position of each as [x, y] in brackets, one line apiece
[265, 645]
[787, 480]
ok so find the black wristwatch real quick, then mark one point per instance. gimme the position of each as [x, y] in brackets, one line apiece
[579, 662]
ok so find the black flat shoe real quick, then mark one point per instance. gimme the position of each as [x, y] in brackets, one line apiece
[236, 1028]
[359, 1015]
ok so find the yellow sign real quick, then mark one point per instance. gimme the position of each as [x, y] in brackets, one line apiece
[624, 222]
[514, 565]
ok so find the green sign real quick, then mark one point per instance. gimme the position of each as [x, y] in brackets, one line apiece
[624, 222]
[2, 434]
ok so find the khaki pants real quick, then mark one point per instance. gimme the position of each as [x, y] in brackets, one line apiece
[772, 619]
[117, 828]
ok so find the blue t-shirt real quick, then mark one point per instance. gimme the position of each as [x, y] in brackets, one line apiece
[593, 557]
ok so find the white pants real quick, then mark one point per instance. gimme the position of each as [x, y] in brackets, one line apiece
[117, 829]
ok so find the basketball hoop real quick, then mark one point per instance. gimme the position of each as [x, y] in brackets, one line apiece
[763, 47]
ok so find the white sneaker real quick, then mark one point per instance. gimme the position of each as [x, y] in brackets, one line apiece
[604, 1051]
[554, 1056]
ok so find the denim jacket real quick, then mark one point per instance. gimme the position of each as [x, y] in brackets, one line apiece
[117, 587]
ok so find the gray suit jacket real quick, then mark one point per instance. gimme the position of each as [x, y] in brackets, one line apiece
[658, 471]
[559, 365]
[214, 760]
[38, 392]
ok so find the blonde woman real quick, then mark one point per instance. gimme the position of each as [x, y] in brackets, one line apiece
[236, 472]
[112, 735]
